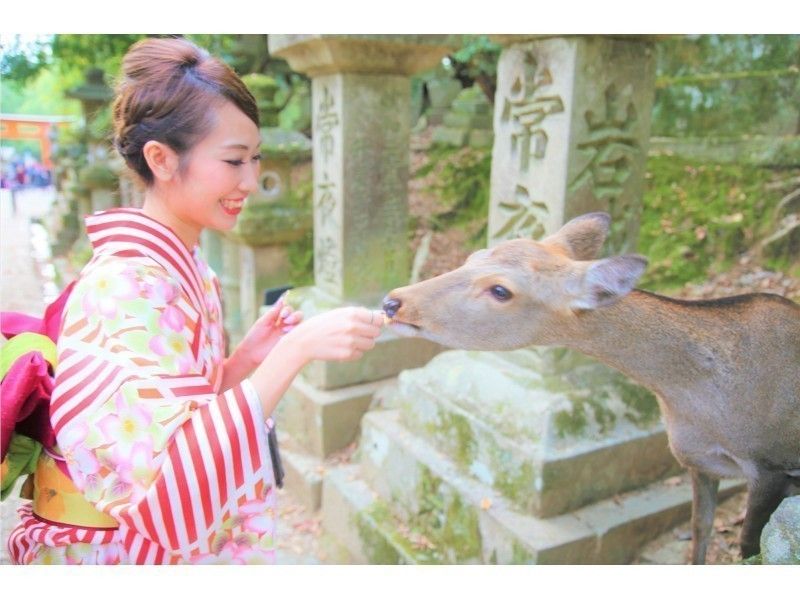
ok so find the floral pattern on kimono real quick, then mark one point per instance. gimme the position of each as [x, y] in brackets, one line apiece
[147, 434]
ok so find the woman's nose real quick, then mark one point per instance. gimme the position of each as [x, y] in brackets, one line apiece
[249, 182]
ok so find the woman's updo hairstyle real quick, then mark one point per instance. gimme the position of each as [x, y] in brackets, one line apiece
[166, 93]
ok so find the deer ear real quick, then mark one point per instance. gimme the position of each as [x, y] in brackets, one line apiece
[606, 281]
[582, 237]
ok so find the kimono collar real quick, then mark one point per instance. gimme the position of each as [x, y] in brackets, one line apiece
[128, 232]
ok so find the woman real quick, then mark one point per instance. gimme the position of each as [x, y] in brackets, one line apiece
[164, 441]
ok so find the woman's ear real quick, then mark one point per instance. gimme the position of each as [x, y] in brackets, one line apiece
[162, 160]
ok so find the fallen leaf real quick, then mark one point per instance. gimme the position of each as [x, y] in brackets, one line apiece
[486, 504]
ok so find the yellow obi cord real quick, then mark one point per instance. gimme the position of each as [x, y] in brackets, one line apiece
[56, 499]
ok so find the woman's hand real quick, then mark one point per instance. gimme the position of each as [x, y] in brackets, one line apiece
[266, 332]
[342, 334]
[338, 335]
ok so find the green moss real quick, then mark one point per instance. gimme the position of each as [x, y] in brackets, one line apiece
[461, 181]
[516, 484]
[521, 555]
[458, 431]
[273, 223]
[572, 421]
[642, 405]
[377, 548]
[752, 560]
[449, 524]
[604, 417]
[699, 217]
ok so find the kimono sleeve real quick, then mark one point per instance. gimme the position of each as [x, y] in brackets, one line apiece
[184, 470]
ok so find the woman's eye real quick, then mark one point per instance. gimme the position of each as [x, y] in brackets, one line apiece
[257, 158]
[235, 162]
[500, 293]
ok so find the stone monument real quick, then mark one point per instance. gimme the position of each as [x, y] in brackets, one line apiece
[360, 119]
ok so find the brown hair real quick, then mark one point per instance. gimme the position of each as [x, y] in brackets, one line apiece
[166, 92]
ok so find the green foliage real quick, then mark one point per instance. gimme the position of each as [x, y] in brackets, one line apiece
[699, 217]
[98, 175]
[476, 62]
[22, 57]
[462, 184]
[727, 85]
[300, 252]
[42, 94]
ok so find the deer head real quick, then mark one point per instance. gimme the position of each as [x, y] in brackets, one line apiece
[518, 293]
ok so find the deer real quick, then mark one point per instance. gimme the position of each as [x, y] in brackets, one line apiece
[725, 372]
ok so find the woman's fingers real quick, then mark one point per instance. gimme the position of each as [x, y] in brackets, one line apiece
[370, 316]
[293, 318]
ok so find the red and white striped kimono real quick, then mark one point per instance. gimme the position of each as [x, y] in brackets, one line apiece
[147, 437]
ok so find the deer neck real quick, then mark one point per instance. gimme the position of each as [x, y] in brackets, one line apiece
[643, 335]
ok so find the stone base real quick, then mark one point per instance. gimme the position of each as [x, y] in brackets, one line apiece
[423, 510]
[549, 443]
[324, 421]
[303, 473]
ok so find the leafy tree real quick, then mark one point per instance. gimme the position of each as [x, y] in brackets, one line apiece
[727, 85]
[476, 63]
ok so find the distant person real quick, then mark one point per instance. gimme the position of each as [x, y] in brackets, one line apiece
[164, 438]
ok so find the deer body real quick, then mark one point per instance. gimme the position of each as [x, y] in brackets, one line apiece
[726, 372]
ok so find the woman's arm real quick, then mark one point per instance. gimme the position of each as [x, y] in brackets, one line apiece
[258, 342]
[342, 334]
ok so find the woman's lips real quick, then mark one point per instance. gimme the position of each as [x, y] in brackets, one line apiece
[232, 206]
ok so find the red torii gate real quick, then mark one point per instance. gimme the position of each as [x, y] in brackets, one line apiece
[37, 127]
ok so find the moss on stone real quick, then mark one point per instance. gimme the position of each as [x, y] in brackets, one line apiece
[520, 555]
[451, 525]
[383, 542]
[516, 484]
[273, 223]
[377, 548]
[458, 431]
[642, 405]
[604, 417]
[572, 421]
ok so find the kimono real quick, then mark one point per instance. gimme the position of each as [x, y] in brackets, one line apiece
[164, 467]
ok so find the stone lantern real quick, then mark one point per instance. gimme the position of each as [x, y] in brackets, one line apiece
[98, 176]
[93, 94]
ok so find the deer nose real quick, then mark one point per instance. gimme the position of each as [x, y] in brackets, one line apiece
[390, 306]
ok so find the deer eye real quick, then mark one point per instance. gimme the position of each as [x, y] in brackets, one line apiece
[500, 293]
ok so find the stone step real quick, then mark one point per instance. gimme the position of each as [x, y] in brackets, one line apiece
[550, 444]
[409, 503]
[303, 473]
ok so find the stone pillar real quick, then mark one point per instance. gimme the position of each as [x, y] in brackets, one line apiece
[516, 442]
[572, 124]
[360, 108]
[230, 281]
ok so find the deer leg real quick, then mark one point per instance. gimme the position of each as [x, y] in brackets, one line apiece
[704, 502]
[764, 494]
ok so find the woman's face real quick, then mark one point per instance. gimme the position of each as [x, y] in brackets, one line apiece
[217, 175]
